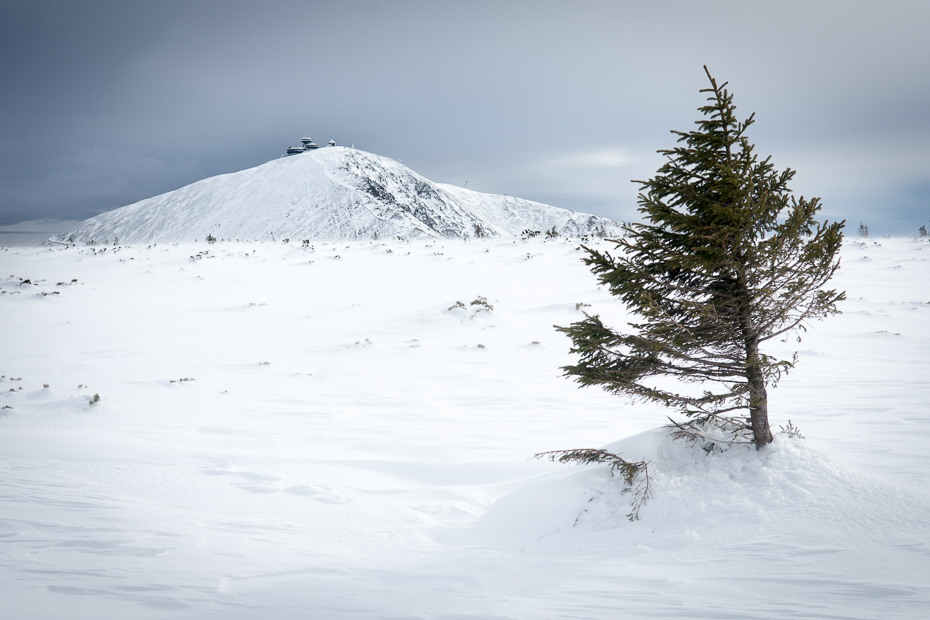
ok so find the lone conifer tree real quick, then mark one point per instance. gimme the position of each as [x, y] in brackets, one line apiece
[728, 258]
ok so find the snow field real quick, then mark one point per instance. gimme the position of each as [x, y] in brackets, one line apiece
[352, 444]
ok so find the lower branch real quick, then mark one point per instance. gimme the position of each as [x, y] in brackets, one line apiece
[692, 431]
[628, 470]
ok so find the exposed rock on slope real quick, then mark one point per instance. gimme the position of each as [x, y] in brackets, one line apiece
[330, 193]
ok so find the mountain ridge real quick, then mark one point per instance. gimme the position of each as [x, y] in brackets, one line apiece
[335, 193]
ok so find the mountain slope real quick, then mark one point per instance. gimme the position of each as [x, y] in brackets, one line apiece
[329, 193]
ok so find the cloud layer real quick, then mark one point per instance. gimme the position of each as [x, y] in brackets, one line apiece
[106, 103]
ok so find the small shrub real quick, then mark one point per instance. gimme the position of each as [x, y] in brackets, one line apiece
[790, 431]
[93, 401]
[529, 234]
[211, 239]
[922, 231]
[482, 304]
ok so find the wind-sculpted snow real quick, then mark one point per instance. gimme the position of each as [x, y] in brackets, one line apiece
[345, 431]
[330, 193]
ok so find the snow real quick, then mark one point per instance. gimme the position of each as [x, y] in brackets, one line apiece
[333, 193]
[353, 444]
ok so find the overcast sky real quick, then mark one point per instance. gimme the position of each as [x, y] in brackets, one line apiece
[106, 103]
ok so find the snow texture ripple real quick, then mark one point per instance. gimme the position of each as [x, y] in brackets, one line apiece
[344, 431]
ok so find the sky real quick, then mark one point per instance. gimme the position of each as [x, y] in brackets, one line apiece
[106, 103]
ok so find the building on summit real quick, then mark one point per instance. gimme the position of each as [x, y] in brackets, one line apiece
[307, 144]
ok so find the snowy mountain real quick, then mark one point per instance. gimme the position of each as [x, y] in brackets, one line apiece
[328, 193]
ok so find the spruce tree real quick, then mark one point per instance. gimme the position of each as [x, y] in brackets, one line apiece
[726, 259]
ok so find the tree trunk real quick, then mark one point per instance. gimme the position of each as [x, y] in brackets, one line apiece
[758, 399]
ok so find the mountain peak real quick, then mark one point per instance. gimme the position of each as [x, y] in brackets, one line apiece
[326, 193]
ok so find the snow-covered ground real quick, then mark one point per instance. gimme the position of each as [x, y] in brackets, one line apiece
[349, 447]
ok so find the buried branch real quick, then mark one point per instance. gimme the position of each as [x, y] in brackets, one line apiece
[629, 471]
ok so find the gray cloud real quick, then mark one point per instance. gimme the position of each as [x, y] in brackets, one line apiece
[107, 103]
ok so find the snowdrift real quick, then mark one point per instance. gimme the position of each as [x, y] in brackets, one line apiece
[330, 193]
[345, 431]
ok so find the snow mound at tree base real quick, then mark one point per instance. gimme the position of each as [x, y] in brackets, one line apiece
[699, 485]
[787, 502]
[785, 527]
